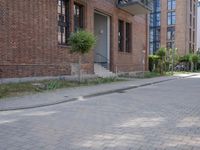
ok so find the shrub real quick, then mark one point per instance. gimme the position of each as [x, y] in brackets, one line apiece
[82, 42]
[184, 58]
[194, 59]
[161, 63]
[153, 62]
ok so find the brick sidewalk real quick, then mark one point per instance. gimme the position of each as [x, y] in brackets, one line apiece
[71, 94]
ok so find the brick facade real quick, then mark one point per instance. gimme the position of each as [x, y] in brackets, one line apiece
[183, 42]
[29, 45]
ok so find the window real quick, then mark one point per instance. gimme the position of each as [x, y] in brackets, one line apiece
[158, 19]
[171, 37]
[171, 18]
[155, 27]
[63, 21]
[78, 16]
[121, 36]
[124, 36]
[158, 5]
[151, 48]
[194, 9]
[171, 33]
[151, 35]
[151, 19]
[157, 34]
[170, 45]
[171, 4]
[128, 37]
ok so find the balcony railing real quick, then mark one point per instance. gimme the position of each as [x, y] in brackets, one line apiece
[135, 7]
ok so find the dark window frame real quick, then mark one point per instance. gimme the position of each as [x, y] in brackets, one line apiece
[124, 36]
[171, 33]
[121, 35]
[63, 12]
[171, 4]
[78, 16]
[128, 37]
[171, 18]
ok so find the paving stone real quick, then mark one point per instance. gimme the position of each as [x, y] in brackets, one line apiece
[161, 117]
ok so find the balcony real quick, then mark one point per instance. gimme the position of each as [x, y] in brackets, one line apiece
[135, 7]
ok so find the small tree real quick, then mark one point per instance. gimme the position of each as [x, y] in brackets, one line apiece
[194, 58]
[81, 42]
[171, 59]
[161, 53]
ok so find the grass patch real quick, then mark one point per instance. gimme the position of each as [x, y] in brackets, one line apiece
[152, 74]
[18, 89]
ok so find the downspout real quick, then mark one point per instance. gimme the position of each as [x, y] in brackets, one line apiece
[147, 42]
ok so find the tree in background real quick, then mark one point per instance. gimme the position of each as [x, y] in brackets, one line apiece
[161, 53]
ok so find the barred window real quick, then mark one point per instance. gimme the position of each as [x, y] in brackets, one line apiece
[63, 21]
[128, 37]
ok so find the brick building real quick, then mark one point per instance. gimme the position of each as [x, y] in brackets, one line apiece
[33, 35]
[198, 26]
[173, 25]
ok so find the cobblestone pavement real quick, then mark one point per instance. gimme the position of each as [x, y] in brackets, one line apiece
[164, 116]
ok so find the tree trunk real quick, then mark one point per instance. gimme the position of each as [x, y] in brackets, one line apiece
[192, 67]
[79, 69]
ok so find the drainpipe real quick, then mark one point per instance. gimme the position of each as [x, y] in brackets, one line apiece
[147, 42]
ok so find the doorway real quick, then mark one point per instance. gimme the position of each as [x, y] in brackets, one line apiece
[102, 32]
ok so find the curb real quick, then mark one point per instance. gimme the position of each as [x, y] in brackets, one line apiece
[119, 90]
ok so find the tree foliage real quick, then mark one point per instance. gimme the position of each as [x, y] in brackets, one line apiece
[82, 42]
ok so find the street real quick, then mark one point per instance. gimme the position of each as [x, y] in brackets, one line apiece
[164, 116]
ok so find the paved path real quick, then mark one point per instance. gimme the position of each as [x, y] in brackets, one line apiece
[164, 116]
[65, 95]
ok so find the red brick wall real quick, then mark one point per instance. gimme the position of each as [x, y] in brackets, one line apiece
[28, 38]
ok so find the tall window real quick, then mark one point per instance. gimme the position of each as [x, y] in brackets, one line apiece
[63, 21]
[78, 16]
[157, 19]
[171, 45]
[171, 37]
[171, 18]
[171, 4]
[124, 36]
[171, 33]
[128, 37]
[121, 36]
[190, 32]
[155, 27]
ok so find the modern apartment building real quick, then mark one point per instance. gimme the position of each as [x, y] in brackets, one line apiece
[173, 24]
[198, 26]
[34, 33]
